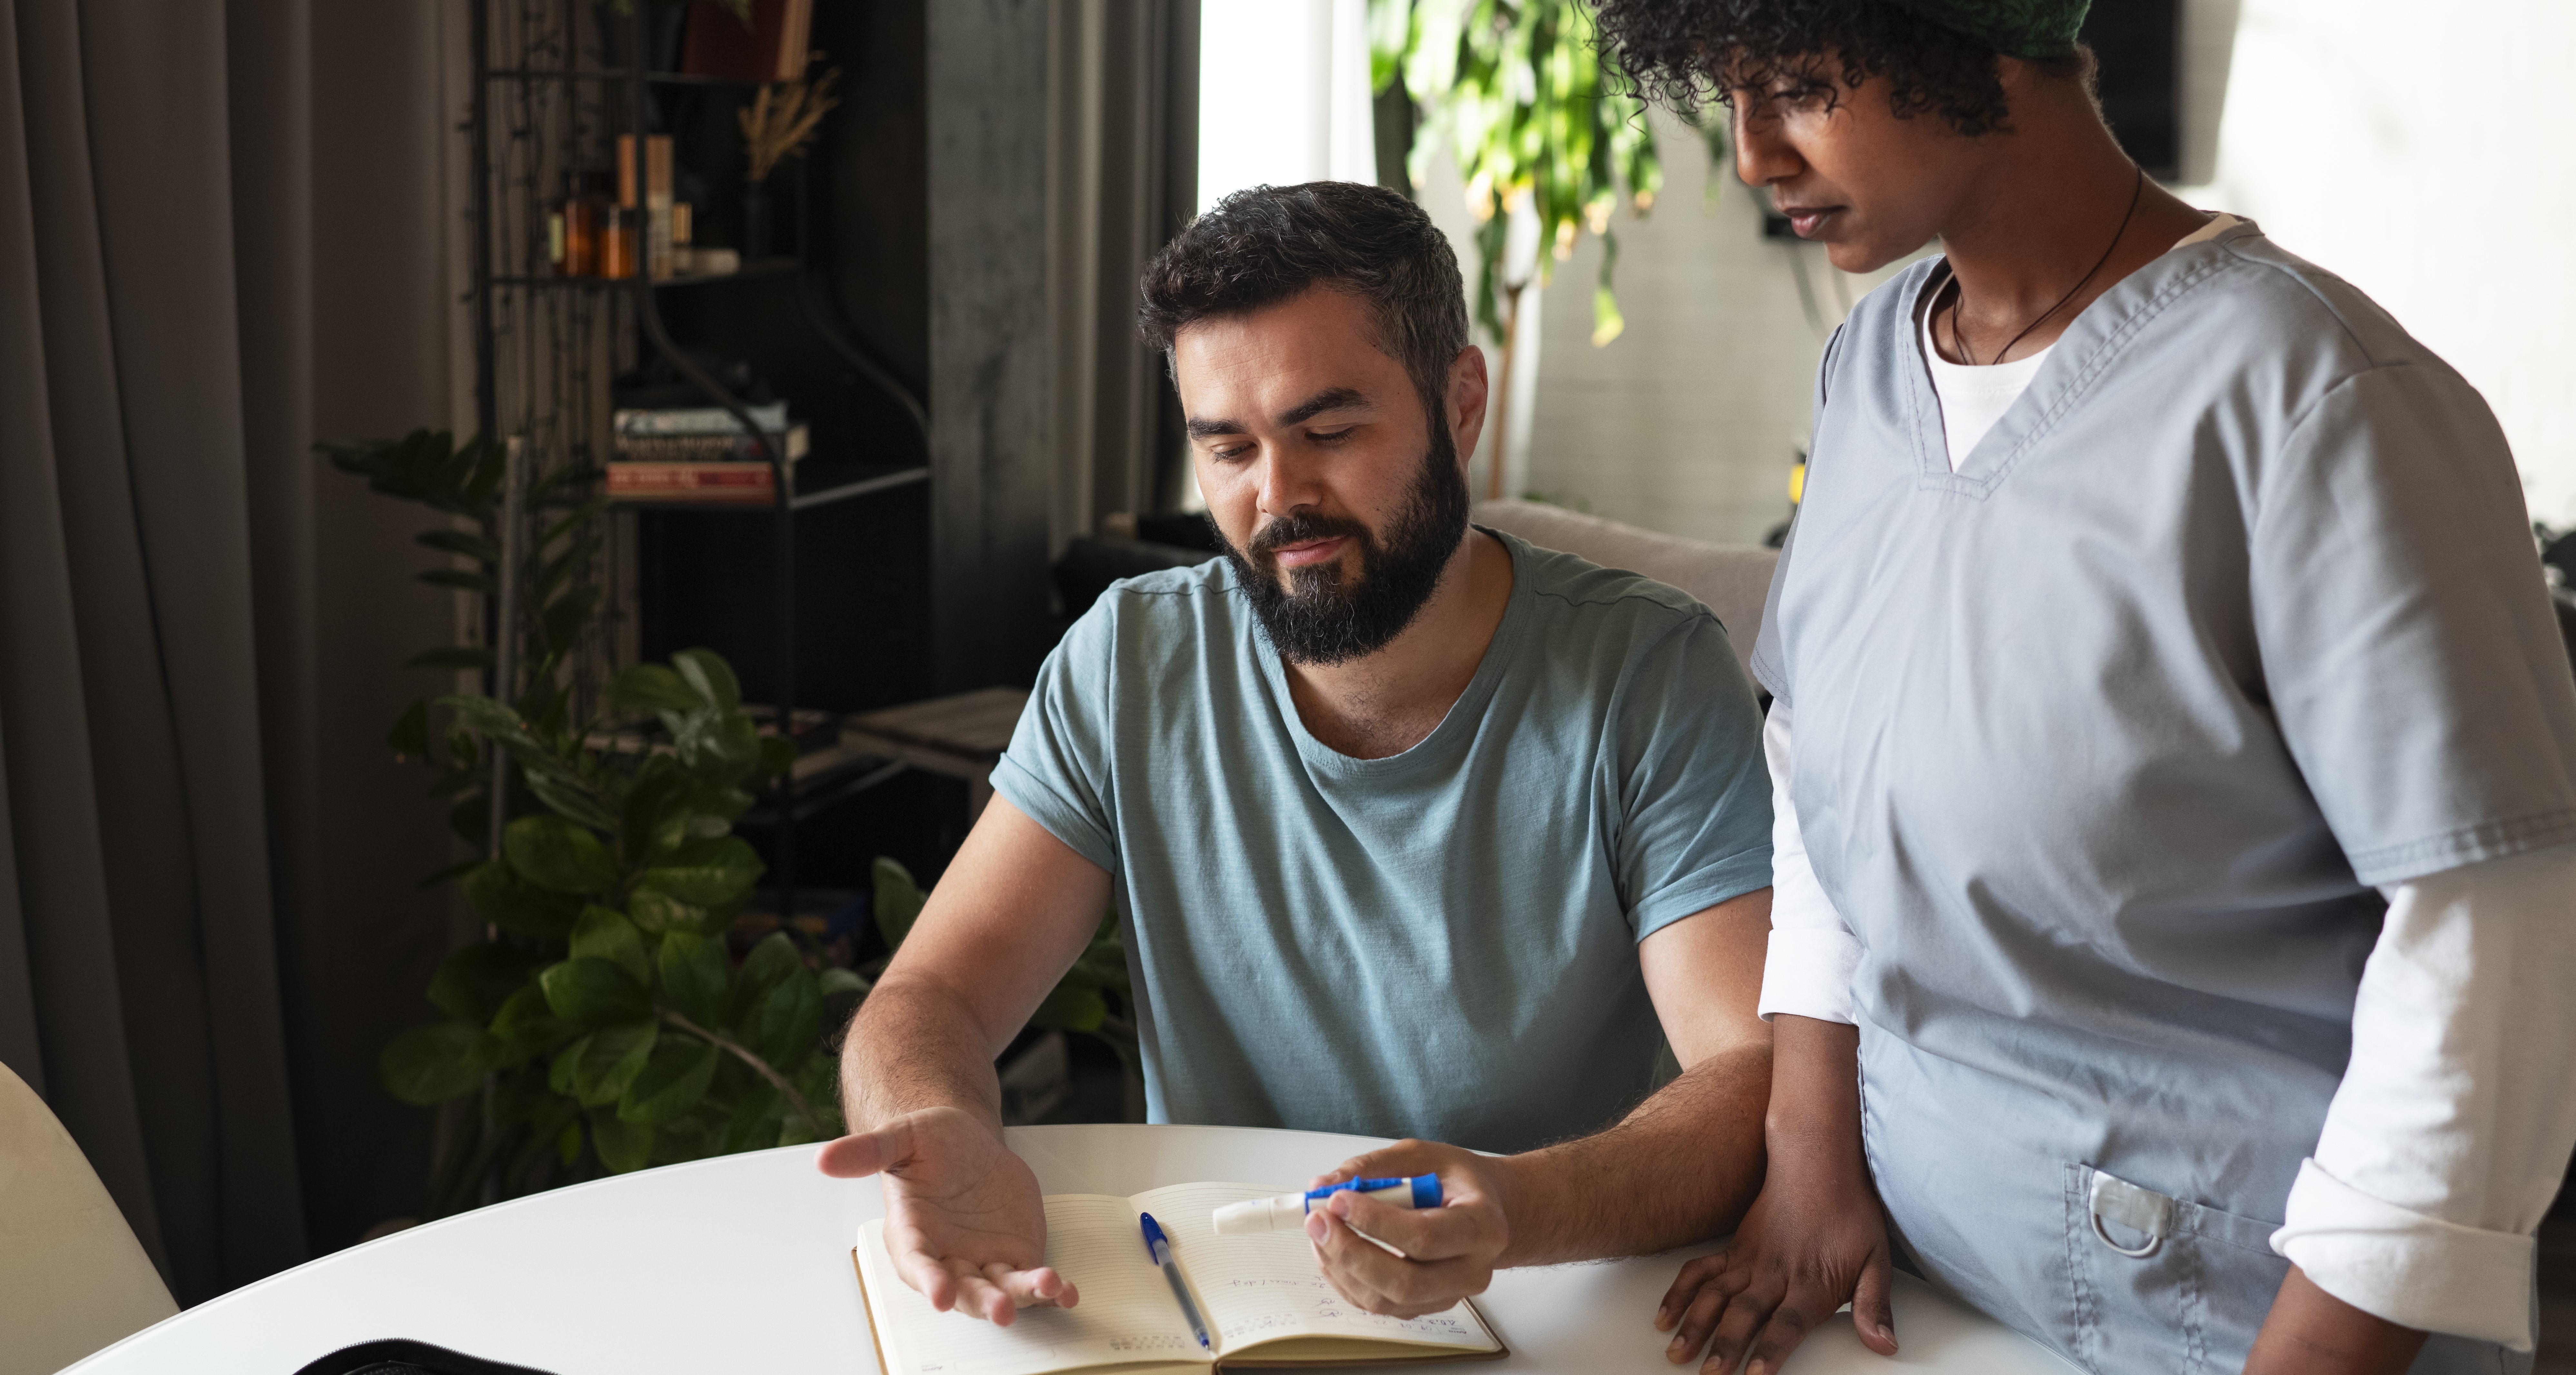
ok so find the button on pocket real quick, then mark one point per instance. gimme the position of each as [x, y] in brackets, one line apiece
[2157, 1283]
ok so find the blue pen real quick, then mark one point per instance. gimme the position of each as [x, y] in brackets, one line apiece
[1159, 1247]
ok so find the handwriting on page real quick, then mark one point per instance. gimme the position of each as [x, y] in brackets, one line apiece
[1267, 1285]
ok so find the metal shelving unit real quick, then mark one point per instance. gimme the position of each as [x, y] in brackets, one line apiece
[557, 402]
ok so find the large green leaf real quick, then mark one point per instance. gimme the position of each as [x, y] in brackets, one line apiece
[567, 796]
[660, 912]
[694, 974]
[458, 542]
[592, 992]
[460, 580]
[561, 855]
[622, 1146]
[473, 983]
[603, 933]
[753, 1124]
[1071, 1007]
[525, 1027]
[431, 1064]
[517, 906]
[672, 1083]
[766, 967]
[707, 671]
[651, 687]
[655, 817]
[723, 744]
[819, 1080]
[787, 1021]
[707, 873]
[597, 1068]
[898, 901]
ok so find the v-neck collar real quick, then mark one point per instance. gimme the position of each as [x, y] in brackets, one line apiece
[2092, 343]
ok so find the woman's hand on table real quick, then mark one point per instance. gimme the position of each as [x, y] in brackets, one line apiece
[1450, 1252]
[1803, 1252]
[965, 1224]
[1815, 1238]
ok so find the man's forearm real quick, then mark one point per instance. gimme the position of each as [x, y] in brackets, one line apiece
[915, 1045]
[1681, 1168]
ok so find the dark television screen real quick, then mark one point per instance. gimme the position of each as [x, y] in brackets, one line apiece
[2139, 43]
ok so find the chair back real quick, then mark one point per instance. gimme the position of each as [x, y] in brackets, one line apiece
[72, 1277]
[1732, 580]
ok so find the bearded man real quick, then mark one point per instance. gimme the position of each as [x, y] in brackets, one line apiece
[1413, 830]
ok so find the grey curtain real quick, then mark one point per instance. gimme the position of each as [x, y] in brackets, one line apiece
[156, 594]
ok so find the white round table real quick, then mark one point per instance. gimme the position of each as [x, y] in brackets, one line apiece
[742, 1264]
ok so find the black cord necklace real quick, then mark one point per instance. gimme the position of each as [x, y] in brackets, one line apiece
[1959, 297]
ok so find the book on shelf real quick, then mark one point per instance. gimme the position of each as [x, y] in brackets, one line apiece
[1264, 1301]
[749, 484]
[656, 420]
[706, 448]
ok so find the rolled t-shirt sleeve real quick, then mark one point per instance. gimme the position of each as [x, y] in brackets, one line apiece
[2407, 644]
[1697, 796]
[1057, 769]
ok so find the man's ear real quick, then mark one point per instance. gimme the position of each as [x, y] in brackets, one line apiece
[1468, 391]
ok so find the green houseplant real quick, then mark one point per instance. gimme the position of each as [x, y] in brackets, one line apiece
[1540, 130]
[604, 1022]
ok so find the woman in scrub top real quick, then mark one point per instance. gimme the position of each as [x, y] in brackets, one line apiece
[2175, 760]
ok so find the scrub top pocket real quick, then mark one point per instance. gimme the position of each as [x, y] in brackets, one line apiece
[2161, 1284]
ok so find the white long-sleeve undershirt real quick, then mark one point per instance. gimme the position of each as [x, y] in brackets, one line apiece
[2450, 1131]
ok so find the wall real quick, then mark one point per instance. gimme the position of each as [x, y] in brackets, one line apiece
[2425, 159]
[1689, 421]
[2402, 154]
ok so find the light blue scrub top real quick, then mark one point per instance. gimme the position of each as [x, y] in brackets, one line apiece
[1442, 943]
[2103, 740]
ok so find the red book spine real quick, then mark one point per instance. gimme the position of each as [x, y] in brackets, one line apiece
[748, 482]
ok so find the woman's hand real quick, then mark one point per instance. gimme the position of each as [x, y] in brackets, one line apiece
[1815, 1238]
[1808, 1247]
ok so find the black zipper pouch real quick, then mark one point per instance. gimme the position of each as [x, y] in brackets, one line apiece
[400, 1357]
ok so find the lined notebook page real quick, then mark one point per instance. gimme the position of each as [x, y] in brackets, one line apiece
[1126, 1317]
[1261, 1288]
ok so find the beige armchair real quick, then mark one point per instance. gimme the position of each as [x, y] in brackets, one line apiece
[1732, 580]
[72, 1276]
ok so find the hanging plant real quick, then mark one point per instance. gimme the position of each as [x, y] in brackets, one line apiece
[1541, 131]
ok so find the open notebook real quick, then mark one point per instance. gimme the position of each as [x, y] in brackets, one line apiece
[1264, 1301]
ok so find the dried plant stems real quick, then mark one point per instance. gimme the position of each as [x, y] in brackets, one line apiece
[782, 120]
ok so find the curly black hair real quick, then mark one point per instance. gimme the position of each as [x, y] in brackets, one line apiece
[1685, 53]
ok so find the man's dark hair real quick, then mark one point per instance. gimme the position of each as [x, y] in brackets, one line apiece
[1684, 53]
[1260, 247]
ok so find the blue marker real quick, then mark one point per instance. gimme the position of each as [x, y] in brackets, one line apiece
[1159, 1247]
[1289, 1210]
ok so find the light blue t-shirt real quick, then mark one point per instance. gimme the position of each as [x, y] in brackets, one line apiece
[1438, 944]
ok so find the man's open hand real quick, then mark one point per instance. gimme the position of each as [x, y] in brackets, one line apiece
[964, 1222]
[1450, 1251]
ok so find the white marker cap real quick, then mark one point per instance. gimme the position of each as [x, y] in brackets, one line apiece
[1276, 1214]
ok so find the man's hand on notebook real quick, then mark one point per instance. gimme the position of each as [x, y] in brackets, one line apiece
[1450, 1252]
[964, 1221]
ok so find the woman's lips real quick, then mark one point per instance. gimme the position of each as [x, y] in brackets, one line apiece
[1806, 224]
[1320, 551]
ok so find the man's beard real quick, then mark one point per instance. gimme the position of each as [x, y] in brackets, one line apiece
[1318, 617]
